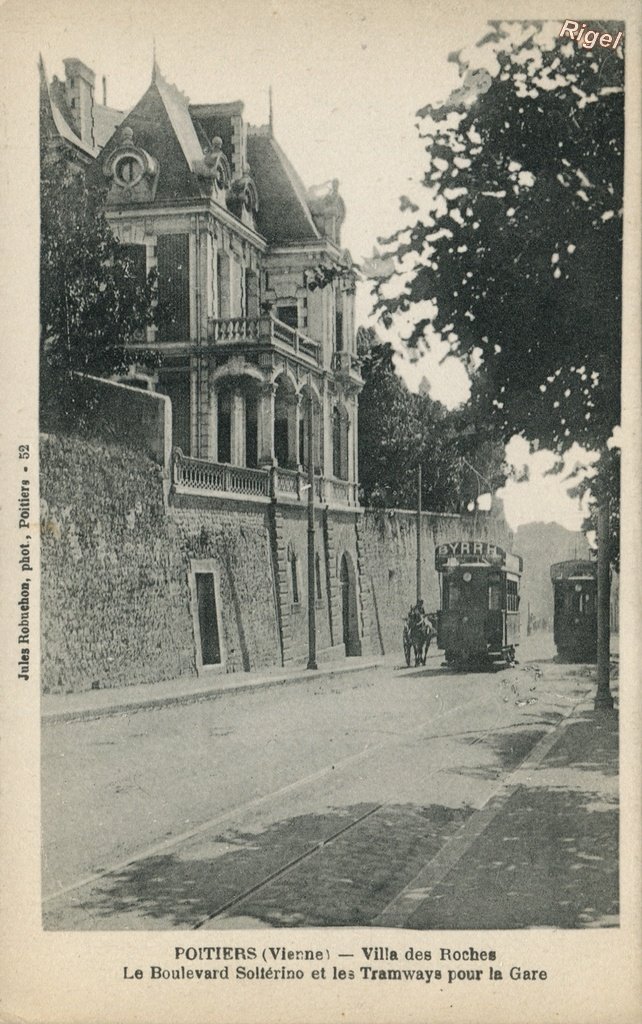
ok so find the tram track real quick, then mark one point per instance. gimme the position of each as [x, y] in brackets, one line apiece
[332, 770]
[480, 704]
[449, 854]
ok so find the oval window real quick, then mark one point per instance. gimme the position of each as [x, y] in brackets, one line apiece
[578, 588]
[467, 577]
[128, 171]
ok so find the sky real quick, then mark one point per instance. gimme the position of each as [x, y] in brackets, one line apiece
[347, 80]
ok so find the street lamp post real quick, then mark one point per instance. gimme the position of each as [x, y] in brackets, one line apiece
[418, 534]
[312, 625]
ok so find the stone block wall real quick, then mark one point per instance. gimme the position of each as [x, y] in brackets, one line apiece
[235, 537]
[118, 602]
[291, 541]
[114, 589]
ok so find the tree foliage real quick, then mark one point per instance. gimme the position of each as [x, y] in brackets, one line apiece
[400, 431]
[92, 297]
[514, 255]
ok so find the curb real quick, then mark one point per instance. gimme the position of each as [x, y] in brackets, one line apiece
[403, 907]
[206, 693]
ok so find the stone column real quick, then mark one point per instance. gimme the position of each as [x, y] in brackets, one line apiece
[294, 416]
[237, 416]
[212, 430]
[354, 473]
[326, 412]
[265, 420]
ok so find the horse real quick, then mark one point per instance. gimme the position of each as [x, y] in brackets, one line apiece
[418, 634]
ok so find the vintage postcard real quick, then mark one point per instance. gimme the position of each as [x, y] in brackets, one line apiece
[321, 512]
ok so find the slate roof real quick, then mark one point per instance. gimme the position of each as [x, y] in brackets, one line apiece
[159, 127]
[177, 135]
[176, 104]
[284, 215]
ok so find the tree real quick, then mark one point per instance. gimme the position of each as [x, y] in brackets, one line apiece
[400, 431]
[514, 256]
[93, 296]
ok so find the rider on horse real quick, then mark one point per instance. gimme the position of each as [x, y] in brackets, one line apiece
[417, 614]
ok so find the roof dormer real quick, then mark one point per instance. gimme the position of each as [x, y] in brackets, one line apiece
[131, 171]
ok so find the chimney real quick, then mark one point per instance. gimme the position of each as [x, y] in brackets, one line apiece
[79, 89]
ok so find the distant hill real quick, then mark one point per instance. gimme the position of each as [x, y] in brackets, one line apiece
[541, 544]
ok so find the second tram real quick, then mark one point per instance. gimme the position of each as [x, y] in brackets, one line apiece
[479, 621]
[575, 614]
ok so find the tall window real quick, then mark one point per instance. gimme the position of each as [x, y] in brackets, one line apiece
[224, 424]
[338, 317]
[340, 444]
[336, 443]
[288, 315]
[173, 288]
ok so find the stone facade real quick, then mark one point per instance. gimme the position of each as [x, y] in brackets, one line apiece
[120, 572]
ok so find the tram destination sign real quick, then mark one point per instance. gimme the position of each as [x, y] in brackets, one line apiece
[469, 552]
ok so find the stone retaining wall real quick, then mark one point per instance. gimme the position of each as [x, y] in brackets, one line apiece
[119, 589]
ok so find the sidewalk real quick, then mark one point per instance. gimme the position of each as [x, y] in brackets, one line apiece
[123, 699]
[542, 853]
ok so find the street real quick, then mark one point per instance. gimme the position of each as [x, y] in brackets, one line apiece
[410, 797]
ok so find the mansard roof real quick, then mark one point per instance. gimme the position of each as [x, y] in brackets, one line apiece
[179, 136]
[161, 125]
[284, 214]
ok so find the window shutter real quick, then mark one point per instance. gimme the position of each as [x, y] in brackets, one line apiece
[173, 288]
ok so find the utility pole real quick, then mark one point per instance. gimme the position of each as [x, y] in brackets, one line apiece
[312, 624]
[418, 534]
[603, 696]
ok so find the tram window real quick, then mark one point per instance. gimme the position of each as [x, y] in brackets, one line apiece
[512, 596]
[585, 603]
[453, 594]
[494, 594]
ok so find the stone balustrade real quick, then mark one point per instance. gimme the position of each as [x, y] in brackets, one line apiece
[264, 330]
[289, 485]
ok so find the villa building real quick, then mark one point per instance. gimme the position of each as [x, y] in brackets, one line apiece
[255, 320]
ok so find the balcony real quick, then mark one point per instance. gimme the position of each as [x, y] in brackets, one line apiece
[198, 476]
[264, 331]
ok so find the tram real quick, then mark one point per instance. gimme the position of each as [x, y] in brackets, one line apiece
[478, 623]
[575, 614]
